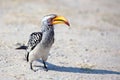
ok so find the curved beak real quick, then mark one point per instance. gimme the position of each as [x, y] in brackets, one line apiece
[60, 20]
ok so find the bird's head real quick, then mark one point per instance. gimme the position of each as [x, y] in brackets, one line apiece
[52, 19]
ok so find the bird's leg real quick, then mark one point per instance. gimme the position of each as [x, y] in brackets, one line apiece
[27, 56]
[31, 67]
[45, 67]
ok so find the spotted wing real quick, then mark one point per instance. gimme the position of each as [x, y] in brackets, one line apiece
[34, 39]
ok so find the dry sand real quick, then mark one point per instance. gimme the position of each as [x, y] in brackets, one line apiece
[90, 50]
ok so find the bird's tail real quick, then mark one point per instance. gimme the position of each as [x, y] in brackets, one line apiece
[22, 47]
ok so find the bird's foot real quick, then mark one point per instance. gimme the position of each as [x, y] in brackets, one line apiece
[40, 68]
[45, 69]
[31, 67]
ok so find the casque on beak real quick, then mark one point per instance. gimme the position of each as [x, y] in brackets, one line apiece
[60, 20]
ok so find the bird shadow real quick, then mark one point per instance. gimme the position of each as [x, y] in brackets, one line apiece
[54, 67]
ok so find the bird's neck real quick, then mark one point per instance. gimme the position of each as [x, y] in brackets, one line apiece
[48, 31]
[45, 28]
[48, 35]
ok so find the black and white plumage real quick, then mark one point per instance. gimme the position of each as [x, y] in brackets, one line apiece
[39, 43]
[34, 39]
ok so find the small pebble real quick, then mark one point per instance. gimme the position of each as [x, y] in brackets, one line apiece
[86, 49]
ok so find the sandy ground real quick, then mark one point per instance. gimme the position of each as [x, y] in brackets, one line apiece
[90, 50]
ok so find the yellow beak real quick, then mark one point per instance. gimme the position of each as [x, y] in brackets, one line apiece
[60, 20]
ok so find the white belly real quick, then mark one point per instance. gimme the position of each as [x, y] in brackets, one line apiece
[39, 52]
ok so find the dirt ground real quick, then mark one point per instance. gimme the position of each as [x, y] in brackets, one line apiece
[89, 50]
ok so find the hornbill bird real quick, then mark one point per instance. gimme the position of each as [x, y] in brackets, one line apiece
[39, 43]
